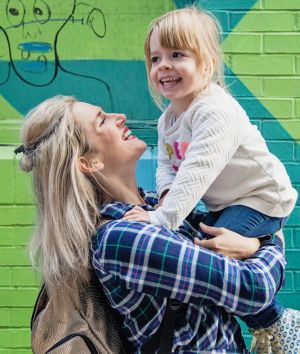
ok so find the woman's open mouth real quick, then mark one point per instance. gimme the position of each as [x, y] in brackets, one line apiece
[127, 134]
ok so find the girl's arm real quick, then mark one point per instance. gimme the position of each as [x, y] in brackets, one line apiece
[162, 263]
[164, 173]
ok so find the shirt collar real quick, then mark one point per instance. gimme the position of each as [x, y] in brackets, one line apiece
[116, 210]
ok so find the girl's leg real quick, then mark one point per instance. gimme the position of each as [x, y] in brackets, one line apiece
[245, 221]
[277, 330]
[250, 223]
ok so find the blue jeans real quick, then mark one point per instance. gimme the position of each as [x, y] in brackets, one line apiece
[250, 223]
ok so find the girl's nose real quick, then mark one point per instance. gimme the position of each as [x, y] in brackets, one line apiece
[165, 65]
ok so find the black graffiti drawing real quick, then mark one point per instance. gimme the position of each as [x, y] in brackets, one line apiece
[39, 63]
[95, 19]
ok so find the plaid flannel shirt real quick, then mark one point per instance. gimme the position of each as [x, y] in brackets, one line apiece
[141, 265]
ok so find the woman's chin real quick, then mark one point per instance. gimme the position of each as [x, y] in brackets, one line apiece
[139, 145]
[143, 147]
[138, 151]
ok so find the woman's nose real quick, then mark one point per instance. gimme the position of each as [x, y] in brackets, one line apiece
[120, 119]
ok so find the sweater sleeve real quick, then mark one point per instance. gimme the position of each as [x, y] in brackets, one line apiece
[164, 173]
[215, 138]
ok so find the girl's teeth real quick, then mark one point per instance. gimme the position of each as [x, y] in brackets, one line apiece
[169, 81]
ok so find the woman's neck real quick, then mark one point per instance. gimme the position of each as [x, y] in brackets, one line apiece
[124, 189]
[129, 195]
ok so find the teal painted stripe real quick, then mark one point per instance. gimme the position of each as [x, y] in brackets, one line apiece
[218, 4]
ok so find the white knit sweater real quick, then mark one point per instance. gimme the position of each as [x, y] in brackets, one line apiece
[212, 152]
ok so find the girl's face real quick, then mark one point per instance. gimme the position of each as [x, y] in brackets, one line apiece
[108, 135]
[174, 73]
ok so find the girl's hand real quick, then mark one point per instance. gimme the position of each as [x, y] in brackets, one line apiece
[228, 243]
[137, 214]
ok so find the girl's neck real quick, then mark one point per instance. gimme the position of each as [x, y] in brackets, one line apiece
[180, 106]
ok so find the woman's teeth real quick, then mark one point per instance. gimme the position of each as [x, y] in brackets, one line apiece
[126, 135]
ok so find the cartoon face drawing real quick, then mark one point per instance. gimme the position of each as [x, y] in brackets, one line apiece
[32, 28]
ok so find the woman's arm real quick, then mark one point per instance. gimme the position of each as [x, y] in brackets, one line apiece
[163, 263]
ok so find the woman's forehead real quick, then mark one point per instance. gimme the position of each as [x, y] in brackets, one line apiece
[84, 110]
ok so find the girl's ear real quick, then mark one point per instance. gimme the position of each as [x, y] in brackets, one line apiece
[88, 164]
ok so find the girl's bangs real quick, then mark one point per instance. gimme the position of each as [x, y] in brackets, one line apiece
[176, 36]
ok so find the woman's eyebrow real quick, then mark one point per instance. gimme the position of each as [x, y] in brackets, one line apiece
[99, 113]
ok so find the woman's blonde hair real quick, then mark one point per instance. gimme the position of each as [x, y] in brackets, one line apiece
[193, 29]
[66, 198]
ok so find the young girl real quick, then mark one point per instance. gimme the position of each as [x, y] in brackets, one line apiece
[209, 150]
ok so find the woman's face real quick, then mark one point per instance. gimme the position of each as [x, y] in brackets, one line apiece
[108, 135]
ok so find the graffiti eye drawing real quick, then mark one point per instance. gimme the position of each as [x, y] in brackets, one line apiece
[15, 12]
[41, 11]
[96, 21]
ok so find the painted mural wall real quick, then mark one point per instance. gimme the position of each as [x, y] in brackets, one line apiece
[93, 49]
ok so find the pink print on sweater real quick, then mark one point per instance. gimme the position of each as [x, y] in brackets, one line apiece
[180, 148]
[183, 147]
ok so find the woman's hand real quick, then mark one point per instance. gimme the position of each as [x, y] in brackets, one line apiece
[279, 234]
[228, 243]
[161, 199]
[137, 214]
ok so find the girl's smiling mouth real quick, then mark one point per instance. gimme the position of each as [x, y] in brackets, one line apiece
[169, 81]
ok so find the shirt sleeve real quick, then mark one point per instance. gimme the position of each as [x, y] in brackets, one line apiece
[215, 138]
[164, 173]
[162, 263]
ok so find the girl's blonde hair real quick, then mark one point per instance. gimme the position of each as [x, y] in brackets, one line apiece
[193, 29]
[66, 198]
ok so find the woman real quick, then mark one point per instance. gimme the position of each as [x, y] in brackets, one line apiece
[83, 158]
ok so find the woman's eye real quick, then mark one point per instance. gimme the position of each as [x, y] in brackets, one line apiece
[177, 55]
[102, 121]
[154, 59]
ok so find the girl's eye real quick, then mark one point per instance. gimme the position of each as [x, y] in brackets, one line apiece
[154, 60]
[177, 55]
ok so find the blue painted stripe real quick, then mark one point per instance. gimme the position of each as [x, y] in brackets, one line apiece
[36, 47]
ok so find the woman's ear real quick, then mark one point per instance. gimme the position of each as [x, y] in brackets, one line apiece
[88, 164]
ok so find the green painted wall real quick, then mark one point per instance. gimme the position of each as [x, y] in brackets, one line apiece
[95, 51]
